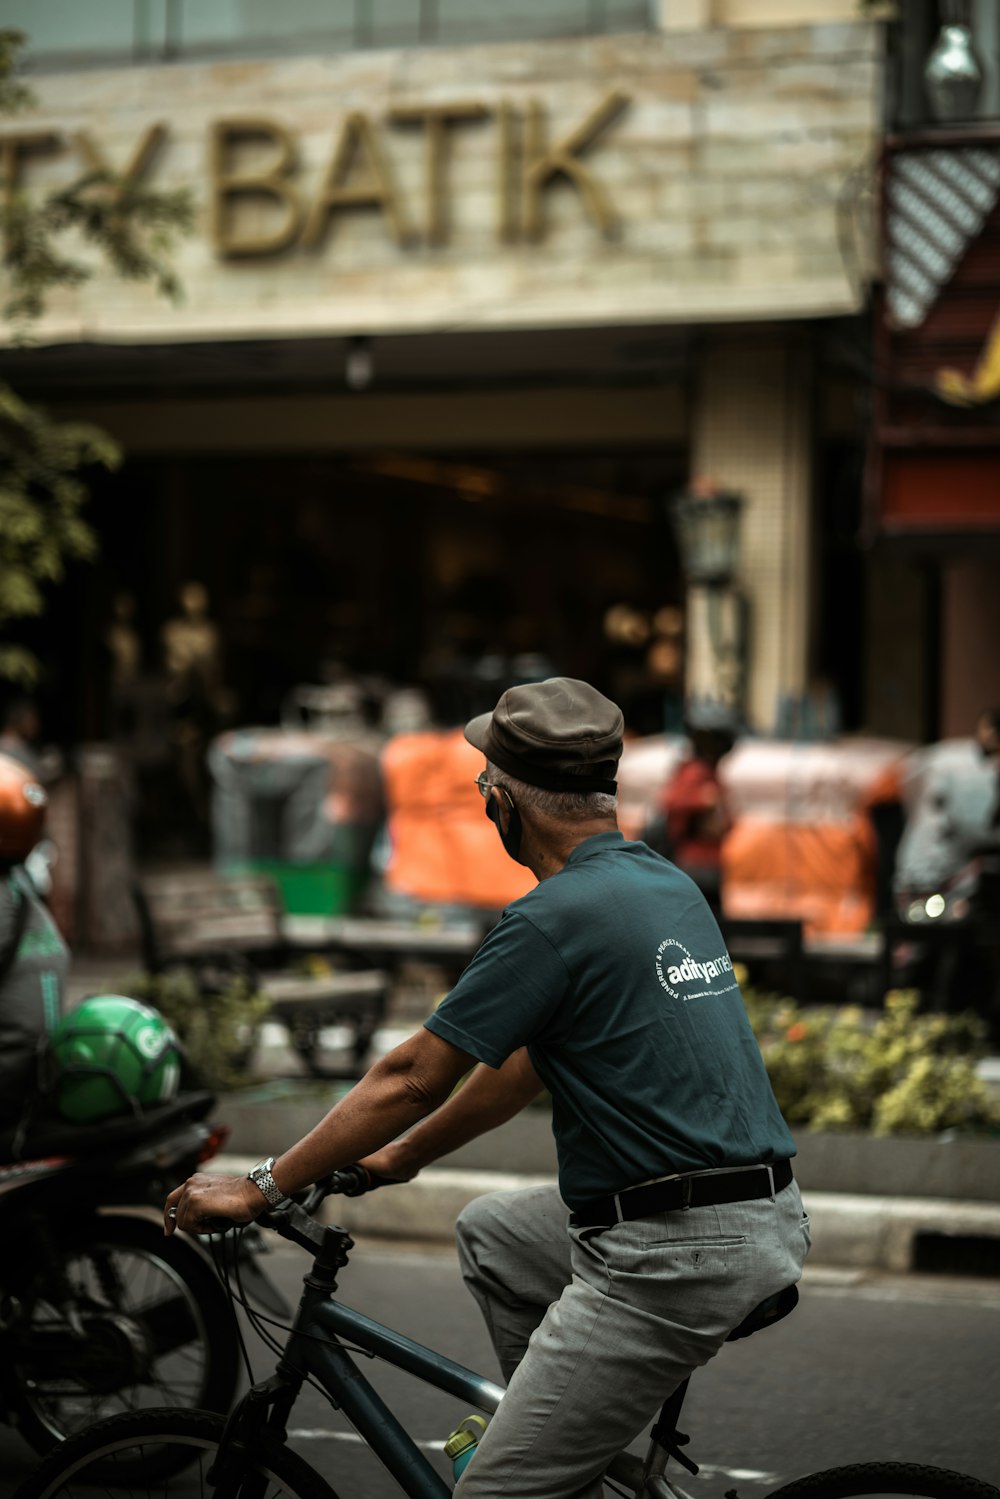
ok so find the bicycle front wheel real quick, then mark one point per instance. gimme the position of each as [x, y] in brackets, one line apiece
[878, 1480]
[119, 1458]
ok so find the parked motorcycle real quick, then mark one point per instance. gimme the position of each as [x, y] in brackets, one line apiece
[99, 1311]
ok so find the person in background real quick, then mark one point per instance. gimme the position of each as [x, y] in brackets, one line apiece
[34, 960]
[988, 739]
[21, 732]
[693, 802]
[988, 895]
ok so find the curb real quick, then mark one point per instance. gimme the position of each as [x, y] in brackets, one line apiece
[848, 1231]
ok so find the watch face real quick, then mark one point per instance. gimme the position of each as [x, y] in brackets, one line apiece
[262, 1178]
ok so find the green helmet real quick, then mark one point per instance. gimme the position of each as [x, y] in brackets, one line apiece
[112, 1055]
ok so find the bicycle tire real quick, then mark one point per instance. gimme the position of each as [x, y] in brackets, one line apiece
[868, 1480]
[166, 1283]
[116, 1447]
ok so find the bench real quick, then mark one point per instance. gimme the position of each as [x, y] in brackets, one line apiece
[772, 944]
[391, 944]
[225, 926]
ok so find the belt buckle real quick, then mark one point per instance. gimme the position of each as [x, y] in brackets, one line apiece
[687, 1184]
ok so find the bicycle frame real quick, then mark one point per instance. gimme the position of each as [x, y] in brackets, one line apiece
[317, 1348]
[321, 1340]
[340, 1376]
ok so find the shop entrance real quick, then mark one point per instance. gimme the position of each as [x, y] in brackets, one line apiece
[453, 573]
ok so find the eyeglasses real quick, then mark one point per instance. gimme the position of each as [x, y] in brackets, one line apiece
[483, 784]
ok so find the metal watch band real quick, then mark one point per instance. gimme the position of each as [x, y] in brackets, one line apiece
[261, 1177]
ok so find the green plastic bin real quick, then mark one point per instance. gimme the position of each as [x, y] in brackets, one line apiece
[312, 889]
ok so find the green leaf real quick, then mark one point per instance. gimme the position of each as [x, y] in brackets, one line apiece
[19, 665]
[43, 487]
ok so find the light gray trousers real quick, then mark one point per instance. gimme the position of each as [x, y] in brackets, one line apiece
[595, 1327]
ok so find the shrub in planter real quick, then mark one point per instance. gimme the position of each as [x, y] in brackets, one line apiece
[899, 1072]
[218, 1030]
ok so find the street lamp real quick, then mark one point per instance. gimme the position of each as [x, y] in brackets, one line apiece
[706, 521]
[953, 75]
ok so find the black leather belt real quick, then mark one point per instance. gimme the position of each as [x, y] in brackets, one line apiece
[697, 1189]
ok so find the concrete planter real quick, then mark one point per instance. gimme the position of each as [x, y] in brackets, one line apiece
[960, 1168]
[895, 1204]
[267, 1120]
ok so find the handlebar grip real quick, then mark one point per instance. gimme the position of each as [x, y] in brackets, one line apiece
[354, 1181]
[349, 1181]
[216, 1226]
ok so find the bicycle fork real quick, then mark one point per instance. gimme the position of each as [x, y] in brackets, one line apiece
[257, 1427]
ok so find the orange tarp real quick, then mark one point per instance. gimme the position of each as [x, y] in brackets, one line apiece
[443, 848]
[822, 872]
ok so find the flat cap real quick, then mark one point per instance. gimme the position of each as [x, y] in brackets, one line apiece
[561, 735]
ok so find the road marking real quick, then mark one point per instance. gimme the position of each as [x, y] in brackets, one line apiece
[321, 1433]
[707, 1470]
[742, 1475]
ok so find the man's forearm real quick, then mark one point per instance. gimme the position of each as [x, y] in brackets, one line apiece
[488, 1098]
[392, 1096]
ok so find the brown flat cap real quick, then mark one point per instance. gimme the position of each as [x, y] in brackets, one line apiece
[561, 735]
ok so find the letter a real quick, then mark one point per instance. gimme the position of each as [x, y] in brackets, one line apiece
[374, 191]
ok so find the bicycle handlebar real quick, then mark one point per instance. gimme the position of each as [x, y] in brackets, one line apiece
[348, 1181]
[354, 1181]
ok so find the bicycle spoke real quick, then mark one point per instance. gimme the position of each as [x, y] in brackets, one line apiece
[163, 1454]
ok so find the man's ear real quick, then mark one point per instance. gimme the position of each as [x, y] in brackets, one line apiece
[501, 806]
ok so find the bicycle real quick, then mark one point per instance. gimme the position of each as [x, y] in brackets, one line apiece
[246, 1456]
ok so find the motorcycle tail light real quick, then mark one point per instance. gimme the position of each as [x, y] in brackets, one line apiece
[214, 1143]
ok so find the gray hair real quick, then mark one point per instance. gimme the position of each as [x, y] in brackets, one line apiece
[563, 806]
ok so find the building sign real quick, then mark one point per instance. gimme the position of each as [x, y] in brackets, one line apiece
[631, 179]
[358, 173]
[935, 459]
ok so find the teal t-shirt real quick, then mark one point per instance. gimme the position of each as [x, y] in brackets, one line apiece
[615, 975]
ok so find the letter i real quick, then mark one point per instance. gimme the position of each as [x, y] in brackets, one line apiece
[507, 226]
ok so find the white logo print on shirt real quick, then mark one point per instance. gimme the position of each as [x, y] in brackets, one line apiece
[677, 970]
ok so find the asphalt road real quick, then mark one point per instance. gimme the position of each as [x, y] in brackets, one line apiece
[866, 1368]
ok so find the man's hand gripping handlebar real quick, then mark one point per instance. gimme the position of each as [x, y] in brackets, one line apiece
[214, 1204]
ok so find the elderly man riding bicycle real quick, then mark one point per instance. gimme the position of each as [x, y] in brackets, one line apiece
[609, 984]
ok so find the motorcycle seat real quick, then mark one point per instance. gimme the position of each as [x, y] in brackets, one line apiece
[48, 1135]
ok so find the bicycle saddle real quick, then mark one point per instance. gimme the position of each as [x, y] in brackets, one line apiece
[767, 1313]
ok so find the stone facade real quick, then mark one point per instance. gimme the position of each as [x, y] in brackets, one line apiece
[673, 177]
[753, 434]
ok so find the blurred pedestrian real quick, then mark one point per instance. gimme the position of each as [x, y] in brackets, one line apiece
[693, 802]
[34, 960]
[987, 737]
[21, 732]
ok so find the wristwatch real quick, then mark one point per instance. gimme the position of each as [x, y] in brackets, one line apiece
[261, 1177]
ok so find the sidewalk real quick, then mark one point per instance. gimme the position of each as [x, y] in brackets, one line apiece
[851, 1230]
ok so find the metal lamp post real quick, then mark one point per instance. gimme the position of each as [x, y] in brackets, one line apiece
[706, 521]
[953, 75]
